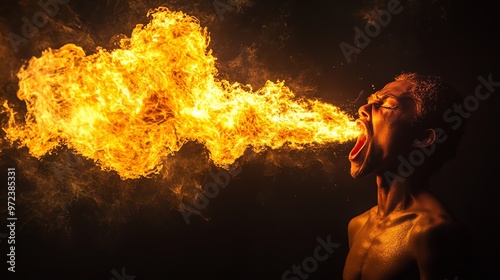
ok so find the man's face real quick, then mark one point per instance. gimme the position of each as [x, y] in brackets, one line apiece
[386, 121]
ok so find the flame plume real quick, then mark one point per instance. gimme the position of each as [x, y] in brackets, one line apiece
[129, 108]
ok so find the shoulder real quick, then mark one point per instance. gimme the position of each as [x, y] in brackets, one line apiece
[361, 219]
[437, 243]
[433, 219]
[430, 228]
[356, 223]
[433, 224]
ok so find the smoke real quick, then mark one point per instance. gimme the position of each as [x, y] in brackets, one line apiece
[63, 183]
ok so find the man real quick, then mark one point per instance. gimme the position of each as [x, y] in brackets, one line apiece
[409, 234]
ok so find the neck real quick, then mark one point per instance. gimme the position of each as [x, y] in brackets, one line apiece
[395, 196]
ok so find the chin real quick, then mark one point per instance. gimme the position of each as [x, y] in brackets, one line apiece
[361, 166]
[357, 172]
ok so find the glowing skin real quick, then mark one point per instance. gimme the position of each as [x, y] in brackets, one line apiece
[387, 117]
[409, 232]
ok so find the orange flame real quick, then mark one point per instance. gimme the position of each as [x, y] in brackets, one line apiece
[130, 108]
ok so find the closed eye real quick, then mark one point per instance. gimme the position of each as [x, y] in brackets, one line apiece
[386, 102]
[391, 108]
[380, 104]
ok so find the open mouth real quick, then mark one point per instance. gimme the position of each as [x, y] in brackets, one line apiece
[361, 141]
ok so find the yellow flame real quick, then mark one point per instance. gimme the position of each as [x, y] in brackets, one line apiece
[129, 108]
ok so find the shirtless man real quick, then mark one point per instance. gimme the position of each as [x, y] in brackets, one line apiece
[409, 234]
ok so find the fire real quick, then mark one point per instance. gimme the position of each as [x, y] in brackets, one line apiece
[129, 108]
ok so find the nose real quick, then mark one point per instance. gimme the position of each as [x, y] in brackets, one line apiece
[364, 111]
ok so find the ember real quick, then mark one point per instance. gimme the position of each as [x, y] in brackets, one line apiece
[129, 108]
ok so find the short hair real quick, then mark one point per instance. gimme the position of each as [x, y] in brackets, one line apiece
[433, 97]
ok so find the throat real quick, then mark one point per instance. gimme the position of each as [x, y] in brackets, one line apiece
[393, 198]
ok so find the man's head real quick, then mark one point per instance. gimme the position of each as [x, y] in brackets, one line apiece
[406, 114]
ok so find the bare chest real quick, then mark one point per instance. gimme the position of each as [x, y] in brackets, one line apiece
[380, 251]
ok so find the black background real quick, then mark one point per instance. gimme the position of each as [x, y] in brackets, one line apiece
[265, 221]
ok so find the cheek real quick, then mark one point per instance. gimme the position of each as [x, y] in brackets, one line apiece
[392, 137]
[383, 130]
[401, 140]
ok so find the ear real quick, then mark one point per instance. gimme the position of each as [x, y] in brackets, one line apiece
[429, 136]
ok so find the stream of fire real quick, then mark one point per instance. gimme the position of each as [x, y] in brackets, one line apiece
[129, 108]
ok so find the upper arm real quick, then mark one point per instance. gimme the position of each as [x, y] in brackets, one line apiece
[351, 229]
[354, 226]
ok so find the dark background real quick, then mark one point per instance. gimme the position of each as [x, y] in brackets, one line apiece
[270, 215]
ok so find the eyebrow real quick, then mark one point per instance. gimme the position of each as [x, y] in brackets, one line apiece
[384, 96]
[376, 96]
